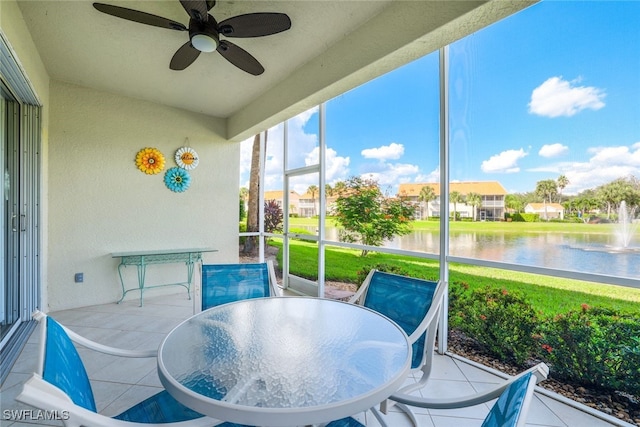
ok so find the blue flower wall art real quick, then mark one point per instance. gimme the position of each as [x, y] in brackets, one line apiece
[177, 179]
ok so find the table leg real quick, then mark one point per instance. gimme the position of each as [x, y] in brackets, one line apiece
[121, 283]
[142, 271]
[190, 268]
[141, 266]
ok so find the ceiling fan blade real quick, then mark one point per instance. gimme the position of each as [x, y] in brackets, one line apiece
[197, 9]
[255, 25]
[240, 58]
[137, 16]
[184, 57]
[210, 4]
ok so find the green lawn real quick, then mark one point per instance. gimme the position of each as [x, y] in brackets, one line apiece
[497, 226]
[550, 295]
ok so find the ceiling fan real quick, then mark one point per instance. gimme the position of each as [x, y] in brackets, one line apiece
[205, 32]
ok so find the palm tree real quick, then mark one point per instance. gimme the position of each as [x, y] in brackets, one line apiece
[514, 202]
[328, 190]
[474, 200]
[339, 188]
[561, 182]
[427, 194]
[546, 189]
[313, 189]
[455, 197]
[250, 243]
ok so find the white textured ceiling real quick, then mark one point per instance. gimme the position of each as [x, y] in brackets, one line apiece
[332, 46]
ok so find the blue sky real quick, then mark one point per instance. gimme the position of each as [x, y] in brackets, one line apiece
[552, 90]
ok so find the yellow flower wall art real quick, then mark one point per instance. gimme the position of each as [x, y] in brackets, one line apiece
[150, 160]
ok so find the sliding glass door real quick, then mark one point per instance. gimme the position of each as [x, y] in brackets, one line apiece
[20, 131]
[10, 215]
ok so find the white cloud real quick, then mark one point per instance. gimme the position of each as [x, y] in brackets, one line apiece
[433, 176]
[387, 174]
[505, 162]
[336, 169]
[300, 145]
[553, 150]
[245, 161]
[392, 151]
[392, 174]
[605, 165]
[303, 151]
[557, 97]
[621, 155]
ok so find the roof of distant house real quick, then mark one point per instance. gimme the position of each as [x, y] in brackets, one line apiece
[484, 188]
[541, 206]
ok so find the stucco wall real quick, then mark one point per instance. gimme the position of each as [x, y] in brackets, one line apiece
[100, 203]
[15, 30]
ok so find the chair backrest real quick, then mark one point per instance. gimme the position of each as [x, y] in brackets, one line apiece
[406, 301]
[513, 404]
[62, 366]
[223, 283]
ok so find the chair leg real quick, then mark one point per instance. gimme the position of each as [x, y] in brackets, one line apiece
[378, 416]
[409, 413]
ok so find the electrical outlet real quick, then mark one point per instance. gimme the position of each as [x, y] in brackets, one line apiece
[79, 277]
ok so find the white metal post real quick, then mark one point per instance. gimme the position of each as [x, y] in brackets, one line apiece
[444, 194]
[261, 198]
[323, 199]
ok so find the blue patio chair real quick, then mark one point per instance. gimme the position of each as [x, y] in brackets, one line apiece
[223, 283]
[510, 410]
[415, 305]
[61, 386]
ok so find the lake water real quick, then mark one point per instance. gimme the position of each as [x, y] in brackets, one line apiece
[588, 253]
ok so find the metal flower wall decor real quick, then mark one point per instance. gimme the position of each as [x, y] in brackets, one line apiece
[177, 179]
[150, 160]
[187, 158]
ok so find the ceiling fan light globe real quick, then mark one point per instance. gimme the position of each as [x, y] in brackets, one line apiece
[204, 42]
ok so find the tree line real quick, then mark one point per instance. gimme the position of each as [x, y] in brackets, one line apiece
[604, 198]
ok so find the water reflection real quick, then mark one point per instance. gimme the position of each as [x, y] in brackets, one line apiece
[566, 251]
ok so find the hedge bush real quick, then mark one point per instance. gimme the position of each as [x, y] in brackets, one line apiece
[590, 347]
[501, 321]
[594, 347]
[523, 217]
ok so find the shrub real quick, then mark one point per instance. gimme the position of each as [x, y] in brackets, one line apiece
[242, 209]
[590, 347]
[272, 216]
[523, 217]
[594, 347]
[242, 228]
[502, 322]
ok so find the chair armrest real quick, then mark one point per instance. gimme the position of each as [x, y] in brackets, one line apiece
[85, 342]
[540, 372]
[41, 394]
[362, 289]
[273, 280]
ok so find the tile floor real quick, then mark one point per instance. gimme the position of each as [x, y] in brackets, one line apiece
[118, 385]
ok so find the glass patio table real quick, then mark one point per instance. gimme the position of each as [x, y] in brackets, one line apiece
[284, 361]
